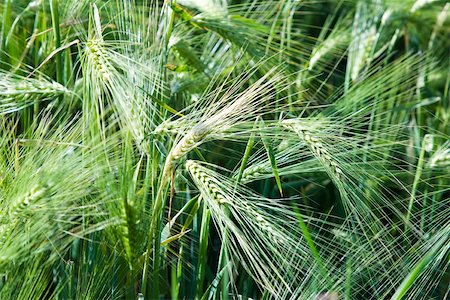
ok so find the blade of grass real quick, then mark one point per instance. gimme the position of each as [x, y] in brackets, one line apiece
[203, 247]
[248, 150]
[420, 266]
[273, 163]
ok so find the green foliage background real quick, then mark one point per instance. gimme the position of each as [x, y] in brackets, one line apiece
[214, 149]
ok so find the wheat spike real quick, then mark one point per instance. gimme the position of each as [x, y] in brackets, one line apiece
[209, 184]
[128, 230]
[441, 158]
[214, 190]
[18, 92]
[21, 208]
[317, 148]
[234, 108]
[251, 225]
[98, 57]
[255, 171]
[31, 199]
[189, 141]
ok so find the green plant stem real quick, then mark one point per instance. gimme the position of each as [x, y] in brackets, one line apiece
[54, 9]
[203, 247]
[6, 26]
[415, 183]
[224, 262]
[311, 244]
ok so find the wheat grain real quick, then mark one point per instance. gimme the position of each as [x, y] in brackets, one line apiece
[97, 55]
[210, 186]
[30, 199]
[18, 92]
[316, 147]
[441, 158]
[206, 183]
[128, 230]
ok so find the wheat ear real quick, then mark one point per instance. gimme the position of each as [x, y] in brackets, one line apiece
[441, 158]
[206, 183]
[97, 55]
[250, 227]
[316, 147]
[20, 209]
[31, 198]
[17, 92]
[210, 186]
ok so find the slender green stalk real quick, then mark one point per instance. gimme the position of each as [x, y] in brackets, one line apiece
[203, 247]
[417, 176]
[224, 261]
[312, 247]
[54, 9]
[6, 26]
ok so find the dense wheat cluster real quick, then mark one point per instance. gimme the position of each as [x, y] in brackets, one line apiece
[225, 149]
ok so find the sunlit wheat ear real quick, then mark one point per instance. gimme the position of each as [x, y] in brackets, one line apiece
[209, 184]
[263, 234]
[97, 55]
[43, 205]
[216, 200]
[215, 117]
[22, 205]
[17, 92]
[440, 158]
[108, 86]
[316, 146]
[350, 174]
[119, 82]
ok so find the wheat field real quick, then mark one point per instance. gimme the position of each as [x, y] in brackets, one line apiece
[225, 149]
